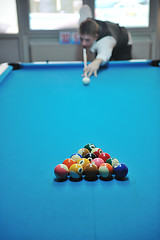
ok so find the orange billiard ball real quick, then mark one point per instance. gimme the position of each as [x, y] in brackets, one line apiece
[105, 170]
[69, 162]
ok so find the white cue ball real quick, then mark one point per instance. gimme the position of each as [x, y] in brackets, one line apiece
[86, 80]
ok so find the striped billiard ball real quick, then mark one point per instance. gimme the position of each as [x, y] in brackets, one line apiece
[112, 161]
[97, 151]
[89, 146]
[61, 171]
[105, 170]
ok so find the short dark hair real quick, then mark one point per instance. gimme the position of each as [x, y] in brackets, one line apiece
[89, 27]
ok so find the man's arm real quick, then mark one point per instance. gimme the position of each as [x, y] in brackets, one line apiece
[104, 48]
[93, 67]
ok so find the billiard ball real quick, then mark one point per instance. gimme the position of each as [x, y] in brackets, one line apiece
[61, 171]
[69, 162]
[105, 170]
[76, 171]
[90, 156]
[83, 162]
[96, 151]
[90, 171]
[76, 156]
[120, 170]
[86, 80]
[104, 156]
[97, 161]
[112, 161]
[89, 146]
[83, 151]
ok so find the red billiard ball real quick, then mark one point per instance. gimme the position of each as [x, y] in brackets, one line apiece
[61, 171]
[104, 156]
[69, 162]
[91, 171]
[76, 171]
[97, 151]
[97, 161]
[120, 170]
[105, 170]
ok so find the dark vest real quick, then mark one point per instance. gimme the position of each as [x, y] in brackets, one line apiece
[112, 29]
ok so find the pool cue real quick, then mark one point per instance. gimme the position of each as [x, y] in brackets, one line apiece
[85, 60]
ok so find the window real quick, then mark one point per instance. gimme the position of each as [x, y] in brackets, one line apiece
[128, 13]
[8, 17]
[54, 14]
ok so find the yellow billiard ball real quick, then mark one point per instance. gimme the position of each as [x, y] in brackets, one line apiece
[83, 162]
[76, 171]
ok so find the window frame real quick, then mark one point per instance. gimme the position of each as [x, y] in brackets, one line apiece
[23, 19]
[26, 35]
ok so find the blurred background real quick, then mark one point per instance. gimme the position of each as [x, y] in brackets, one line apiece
[47, 30]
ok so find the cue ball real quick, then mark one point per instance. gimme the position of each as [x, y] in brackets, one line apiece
[86, 80]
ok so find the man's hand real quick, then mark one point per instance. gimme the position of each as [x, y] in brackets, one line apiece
[93, 67]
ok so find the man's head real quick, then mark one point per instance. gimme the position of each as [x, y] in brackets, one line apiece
[88, 31]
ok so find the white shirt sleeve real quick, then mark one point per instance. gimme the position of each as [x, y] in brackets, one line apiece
[104, 48]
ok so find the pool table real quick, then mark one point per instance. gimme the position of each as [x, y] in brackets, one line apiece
[46, 115]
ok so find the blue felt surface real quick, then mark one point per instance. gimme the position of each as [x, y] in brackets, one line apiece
[46, 114]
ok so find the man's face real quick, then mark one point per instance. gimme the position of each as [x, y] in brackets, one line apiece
[87, 40]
